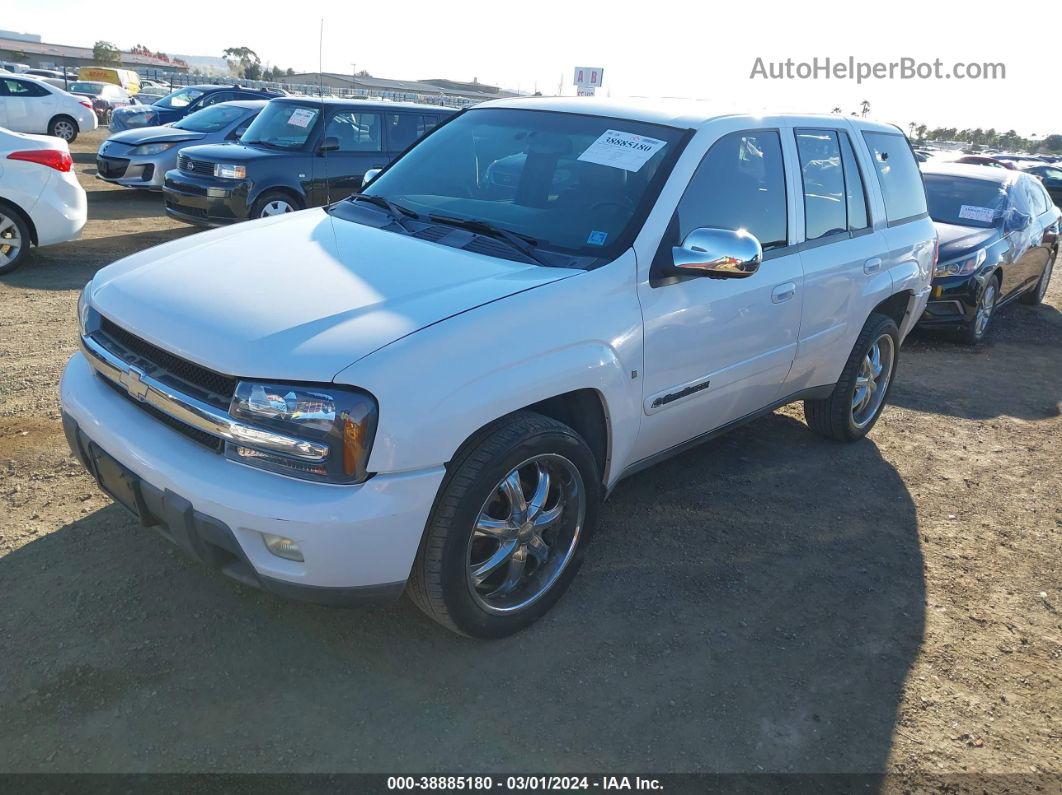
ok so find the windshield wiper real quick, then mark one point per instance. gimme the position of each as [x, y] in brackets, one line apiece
[396, 210]
[522, 243]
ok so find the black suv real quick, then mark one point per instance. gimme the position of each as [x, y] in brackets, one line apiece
[299, 152]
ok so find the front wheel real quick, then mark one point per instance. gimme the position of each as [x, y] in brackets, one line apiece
[973, 332]
[859, 396]
[506, 533]
[274, 202]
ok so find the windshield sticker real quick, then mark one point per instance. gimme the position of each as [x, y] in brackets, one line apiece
[301, 117]
[972, 212]
[596, 238]
[621, 150]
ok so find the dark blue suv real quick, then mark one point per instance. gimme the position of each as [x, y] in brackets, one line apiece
[180, 103]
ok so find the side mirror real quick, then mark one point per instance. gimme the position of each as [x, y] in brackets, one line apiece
[1017, 221]
[370, 175]
[718, 254]
[328, 144]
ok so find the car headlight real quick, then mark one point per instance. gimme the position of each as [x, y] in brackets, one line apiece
[343, 418]
[151, 149]
[229, 171]
[961, 267]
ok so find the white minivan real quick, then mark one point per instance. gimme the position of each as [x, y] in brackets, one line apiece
[429, 387]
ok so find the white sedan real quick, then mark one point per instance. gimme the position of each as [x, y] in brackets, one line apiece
[41, 201]
[29, 105]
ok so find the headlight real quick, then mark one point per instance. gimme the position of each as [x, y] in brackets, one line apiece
[229, 171]
[151, 149]
[341, 417]
[963, 266]
[83, 310]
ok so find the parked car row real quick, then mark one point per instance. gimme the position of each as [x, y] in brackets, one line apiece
[429, 382]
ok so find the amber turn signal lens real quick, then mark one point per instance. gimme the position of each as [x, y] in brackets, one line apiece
[351, 445]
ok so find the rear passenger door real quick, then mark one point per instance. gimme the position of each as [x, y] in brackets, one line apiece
[840, 255]
[360, 139]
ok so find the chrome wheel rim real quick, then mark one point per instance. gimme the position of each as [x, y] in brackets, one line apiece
[278, 207]
[64, 130]
[984, 309]
[1045, 279]
[10, 240]
[872, 380]
[526, 533]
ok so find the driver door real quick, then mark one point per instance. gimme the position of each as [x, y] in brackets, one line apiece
[360, 139]
[716, 349]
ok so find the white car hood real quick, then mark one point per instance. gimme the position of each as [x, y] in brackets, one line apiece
[300, 296]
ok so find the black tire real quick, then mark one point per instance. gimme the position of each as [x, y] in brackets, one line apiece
[263, 202]
[15, 228]
[63, 127]
[833, 417]
[1036, 295]
[440, 581]
[972, 333]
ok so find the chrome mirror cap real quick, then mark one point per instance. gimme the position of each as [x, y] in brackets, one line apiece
[370, 175]
[718, 253]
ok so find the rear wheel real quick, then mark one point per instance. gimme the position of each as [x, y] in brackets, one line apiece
[274, 202]
[859, 396]
[1036, 295]
[14, 240]
[507, 531]
[63, 127]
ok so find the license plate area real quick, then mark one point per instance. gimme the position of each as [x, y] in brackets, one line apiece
[116, 480]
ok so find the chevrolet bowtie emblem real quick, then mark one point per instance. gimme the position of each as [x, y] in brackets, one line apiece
[133, 381]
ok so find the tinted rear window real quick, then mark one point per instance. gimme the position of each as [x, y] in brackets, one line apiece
[898, 175]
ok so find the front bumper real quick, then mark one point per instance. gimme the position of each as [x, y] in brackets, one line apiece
[131, 172]
[359, 542]
[952, 301]
[205, 201]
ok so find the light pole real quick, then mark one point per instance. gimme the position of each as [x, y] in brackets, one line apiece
[354, 78]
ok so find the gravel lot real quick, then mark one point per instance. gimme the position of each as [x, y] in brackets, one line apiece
[770, 601]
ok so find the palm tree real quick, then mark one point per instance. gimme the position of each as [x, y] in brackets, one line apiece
[837, 110]
[865, 105]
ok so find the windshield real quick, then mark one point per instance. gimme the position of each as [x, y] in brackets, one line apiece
[574, 183]
[85, 88]
[282, 125]
[212, 119]
[180, 99]
[963, 201]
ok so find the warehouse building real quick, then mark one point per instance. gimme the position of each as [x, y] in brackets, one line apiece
[41, 55]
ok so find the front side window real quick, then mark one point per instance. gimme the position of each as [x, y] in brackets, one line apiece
[965, 201]
[356, 132]
[898, 176]
[211, 119]
[1036, 198]
[740, 184]
[217, 97]
[179, 99]
[573, 183]
[24, 88]
[282, 125]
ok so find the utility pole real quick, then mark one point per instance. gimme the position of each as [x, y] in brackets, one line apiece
[353, 78]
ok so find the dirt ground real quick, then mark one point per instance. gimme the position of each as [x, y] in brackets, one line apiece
[770, 601]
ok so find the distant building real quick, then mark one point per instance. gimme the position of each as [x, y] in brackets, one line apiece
[401, 89]
[10, 34]
[42, 55]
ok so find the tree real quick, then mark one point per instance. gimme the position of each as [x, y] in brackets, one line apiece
[106, 54]
[1052, 143]
[837, 110]
[241, 59]
[865, 107]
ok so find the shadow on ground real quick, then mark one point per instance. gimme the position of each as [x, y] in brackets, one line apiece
[1016, 372]
[754, 604]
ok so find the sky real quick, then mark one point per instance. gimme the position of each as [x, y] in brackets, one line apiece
[664, 48]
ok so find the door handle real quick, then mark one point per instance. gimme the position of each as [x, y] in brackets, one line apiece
[783, 292]
[872, 265]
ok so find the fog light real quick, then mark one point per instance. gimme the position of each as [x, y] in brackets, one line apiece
[283, 547]
[218, 193]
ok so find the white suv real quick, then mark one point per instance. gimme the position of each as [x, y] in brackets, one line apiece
[431, 386]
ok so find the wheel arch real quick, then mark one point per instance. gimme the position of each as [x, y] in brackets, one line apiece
[24, 216]
[896, 306]
[300, 198]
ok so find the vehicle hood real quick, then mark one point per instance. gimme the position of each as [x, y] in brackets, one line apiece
[235, 153]
[144, 135]
[956, 240]
[300, 296]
